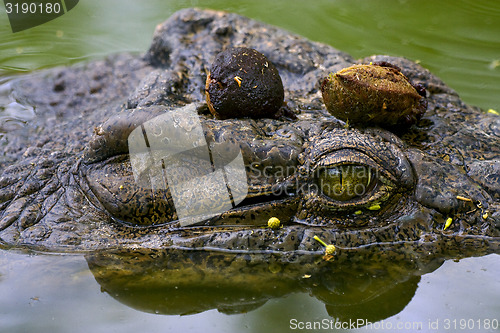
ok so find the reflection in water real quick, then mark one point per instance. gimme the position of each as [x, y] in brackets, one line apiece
[57, 293]
[187, 282]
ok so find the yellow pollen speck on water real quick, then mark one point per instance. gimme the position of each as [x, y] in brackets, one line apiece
[494, 64]
[59, 33]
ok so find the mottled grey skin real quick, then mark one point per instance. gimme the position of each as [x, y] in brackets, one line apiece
[66, 183]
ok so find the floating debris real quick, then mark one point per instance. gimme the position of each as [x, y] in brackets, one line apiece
[494, 64]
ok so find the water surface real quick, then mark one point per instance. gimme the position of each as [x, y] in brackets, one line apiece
[56, 293]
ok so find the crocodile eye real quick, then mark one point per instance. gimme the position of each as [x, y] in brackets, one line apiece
[352, 173]
[346, 182]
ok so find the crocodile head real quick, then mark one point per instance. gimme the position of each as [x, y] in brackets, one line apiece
[351, 187]
[97, 178]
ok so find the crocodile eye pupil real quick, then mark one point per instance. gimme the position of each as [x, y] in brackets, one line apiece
[346, 182]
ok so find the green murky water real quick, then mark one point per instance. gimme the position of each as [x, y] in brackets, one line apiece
[457, 40]
[58, 294]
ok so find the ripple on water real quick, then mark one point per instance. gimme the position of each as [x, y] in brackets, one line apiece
[13, 115]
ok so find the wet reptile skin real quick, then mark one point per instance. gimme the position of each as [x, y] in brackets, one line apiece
[66, 183]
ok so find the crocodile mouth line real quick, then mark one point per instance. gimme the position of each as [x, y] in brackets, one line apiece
[263, 199]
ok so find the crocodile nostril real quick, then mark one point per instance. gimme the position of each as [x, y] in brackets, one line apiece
[59, 87]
